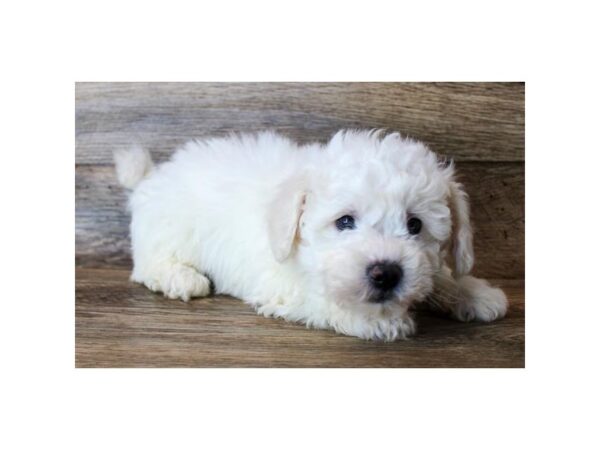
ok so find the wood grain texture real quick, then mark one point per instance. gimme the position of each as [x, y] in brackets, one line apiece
[466, 121]
[122, 324]
[497, 199]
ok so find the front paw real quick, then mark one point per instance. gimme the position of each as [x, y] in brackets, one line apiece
[479, 301]
[384, 329]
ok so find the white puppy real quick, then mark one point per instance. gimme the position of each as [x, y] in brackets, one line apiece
[347, 235]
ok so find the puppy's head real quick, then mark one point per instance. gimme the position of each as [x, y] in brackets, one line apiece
[373, 220]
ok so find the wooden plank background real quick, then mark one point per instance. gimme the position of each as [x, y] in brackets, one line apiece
[479, 125]
[466, 121]
[121, 324]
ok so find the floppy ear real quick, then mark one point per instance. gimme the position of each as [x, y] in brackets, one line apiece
[283, 217]
[462, 235]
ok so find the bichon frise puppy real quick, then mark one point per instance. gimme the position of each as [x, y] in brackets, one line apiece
[346, 235]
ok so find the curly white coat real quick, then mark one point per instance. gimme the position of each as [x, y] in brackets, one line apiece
[256, 215]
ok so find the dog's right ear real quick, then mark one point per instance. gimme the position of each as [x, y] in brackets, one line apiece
[462, 234]
[283, 217]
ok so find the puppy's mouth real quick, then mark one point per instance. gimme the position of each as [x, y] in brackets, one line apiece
[381, 296]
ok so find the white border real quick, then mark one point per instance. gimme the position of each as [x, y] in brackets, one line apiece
[49, 45]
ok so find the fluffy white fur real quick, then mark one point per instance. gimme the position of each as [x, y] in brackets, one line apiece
[256, 215]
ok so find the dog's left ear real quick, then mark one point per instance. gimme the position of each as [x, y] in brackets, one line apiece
[462, 234]
[283, 218]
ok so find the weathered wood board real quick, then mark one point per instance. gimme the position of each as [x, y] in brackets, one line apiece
[465, 121]
[122, 324]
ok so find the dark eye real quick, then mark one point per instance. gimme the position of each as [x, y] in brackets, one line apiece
[345, 223]
[414, 225]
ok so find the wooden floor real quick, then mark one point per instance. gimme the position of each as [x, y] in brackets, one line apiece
[122, 324]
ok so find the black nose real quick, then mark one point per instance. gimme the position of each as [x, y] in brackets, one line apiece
[384, 275]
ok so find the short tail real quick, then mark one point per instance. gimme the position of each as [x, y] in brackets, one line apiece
[132, 165]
